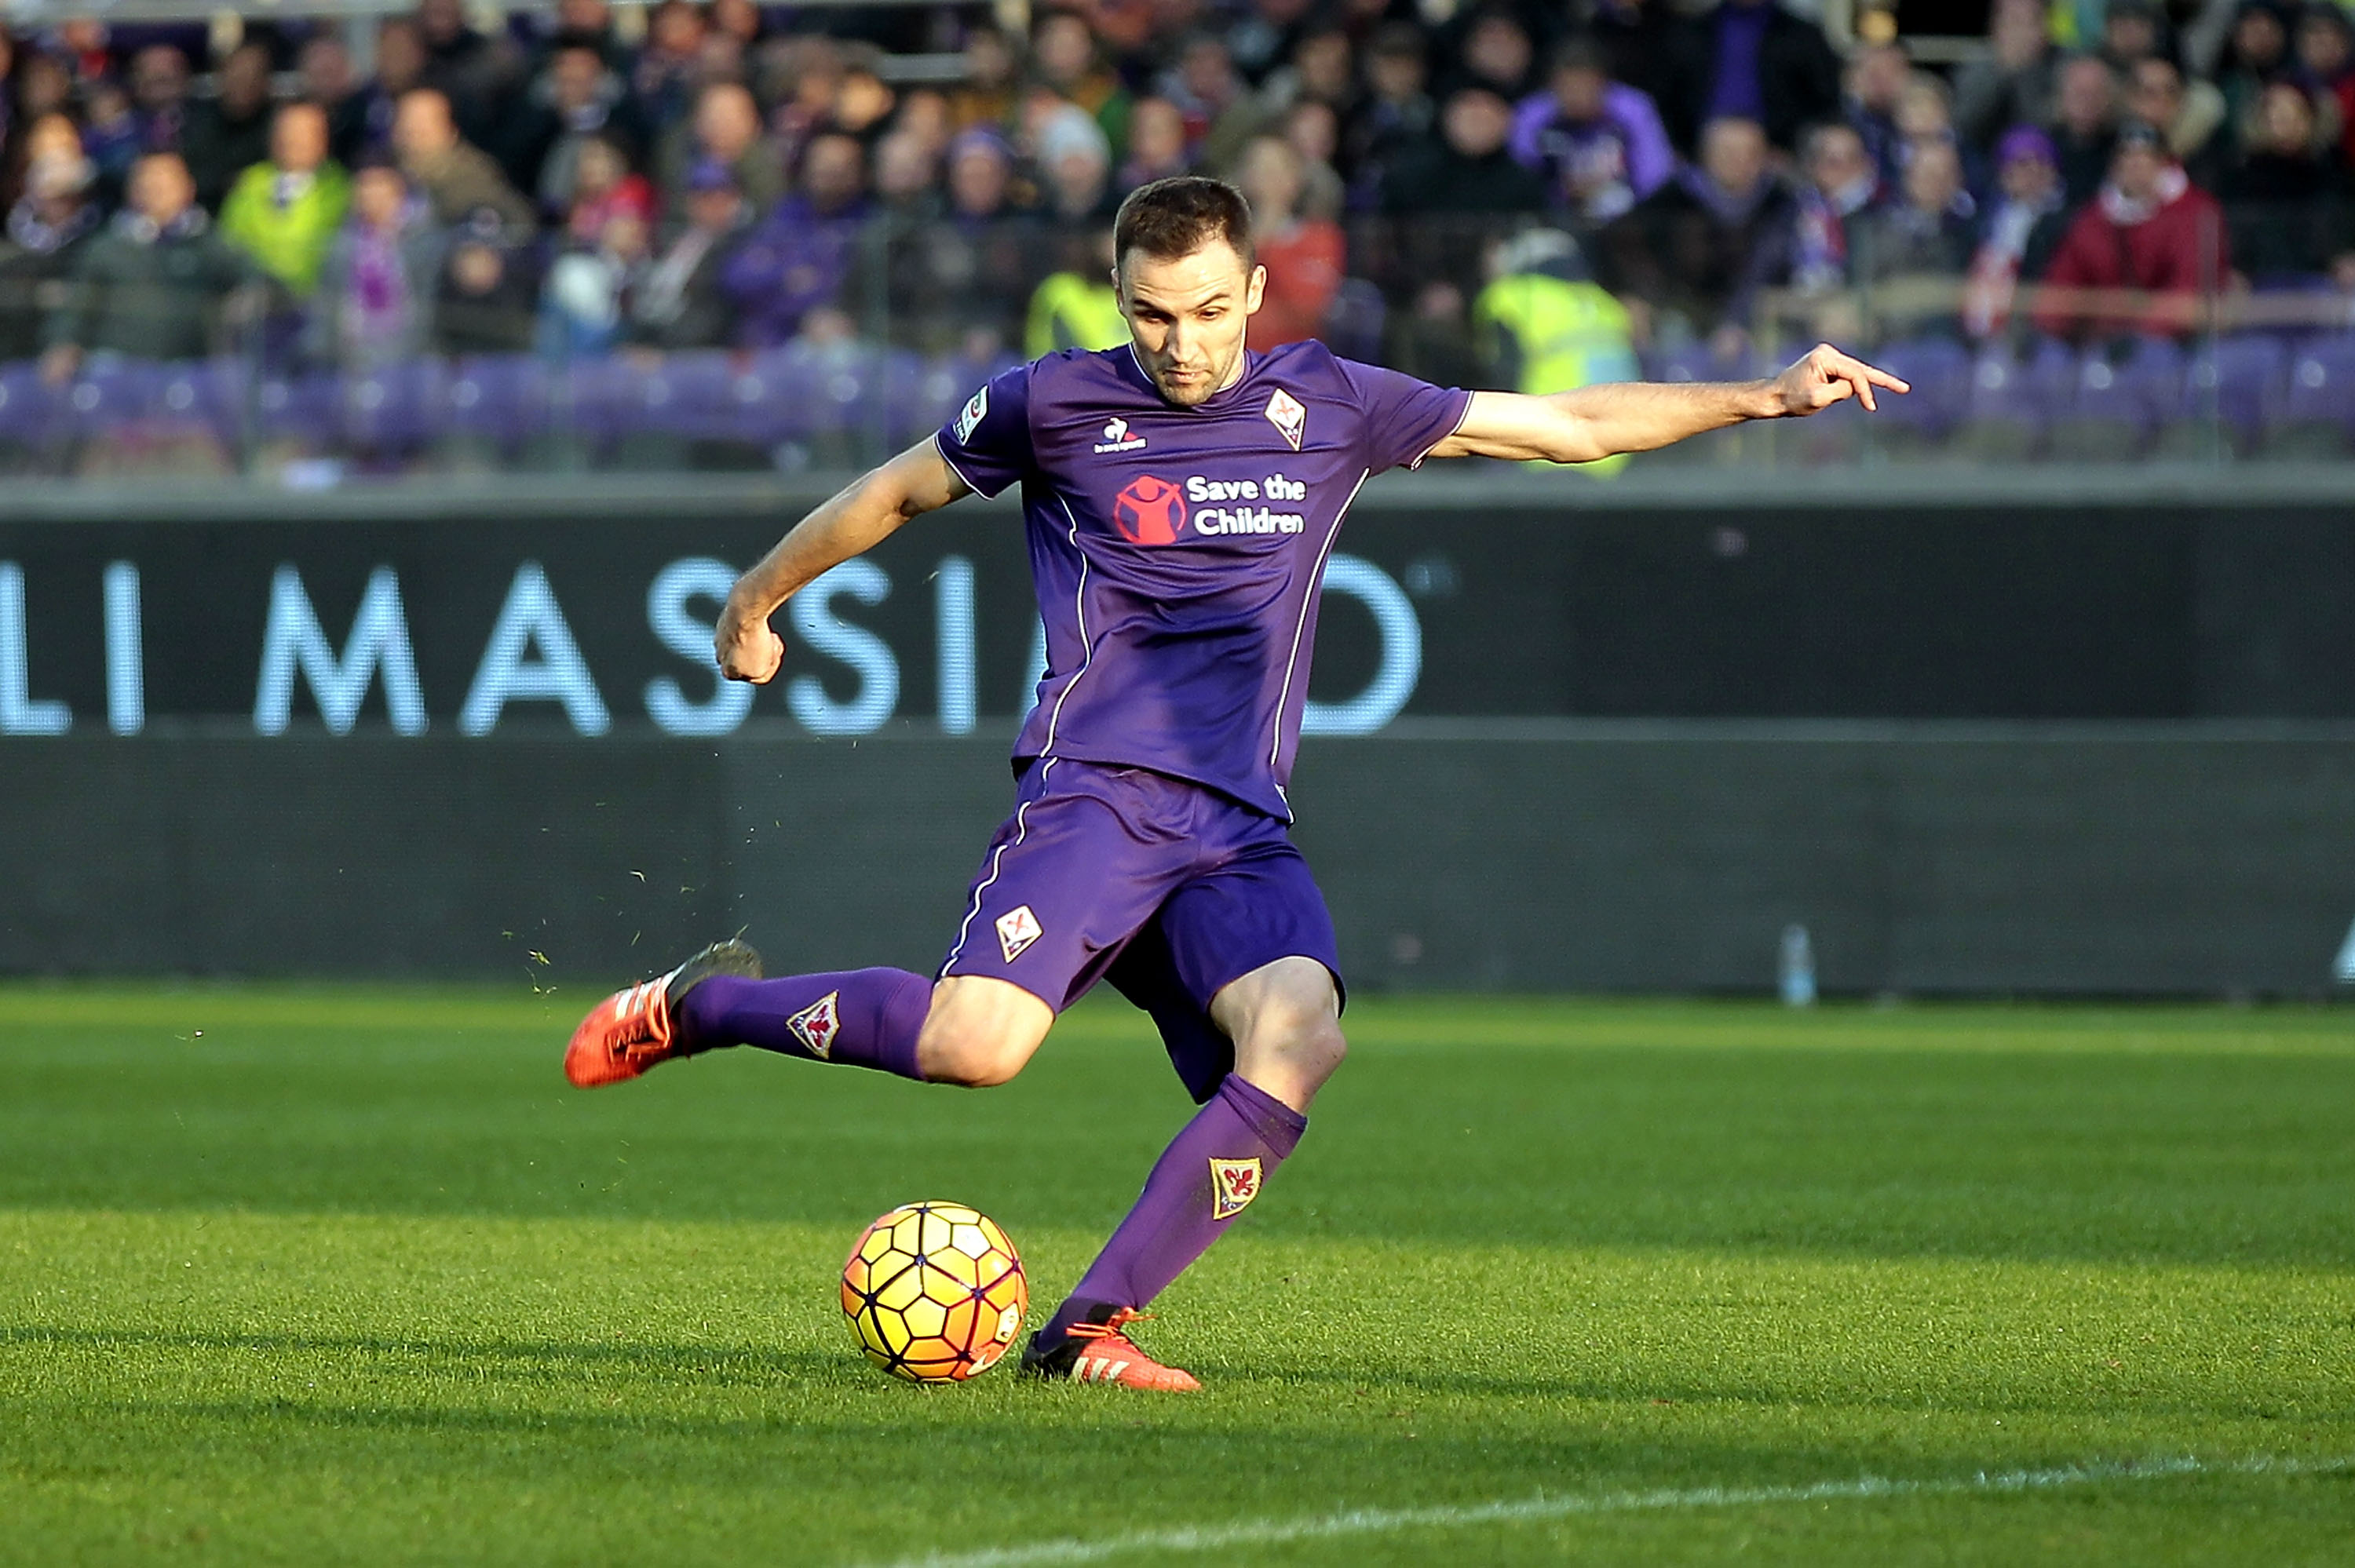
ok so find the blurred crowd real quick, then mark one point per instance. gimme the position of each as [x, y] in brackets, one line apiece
[1526, 190]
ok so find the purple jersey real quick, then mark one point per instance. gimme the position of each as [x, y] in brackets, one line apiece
[1177, 552]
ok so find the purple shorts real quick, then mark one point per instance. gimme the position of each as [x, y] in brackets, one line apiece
[1167, 889]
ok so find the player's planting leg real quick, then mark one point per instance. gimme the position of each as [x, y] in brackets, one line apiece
[1284, 1021]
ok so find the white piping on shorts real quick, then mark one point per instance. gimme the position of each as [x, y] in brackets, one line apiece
[1046, 751]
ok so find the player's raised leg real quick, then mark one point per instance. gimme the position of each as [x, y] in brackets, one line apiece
[970, 1031]
[1284, 1019]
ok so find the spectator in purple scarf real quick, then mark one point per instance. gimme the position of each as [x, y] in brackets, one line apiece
[802, 255]
[374, 303]
[1599, 142]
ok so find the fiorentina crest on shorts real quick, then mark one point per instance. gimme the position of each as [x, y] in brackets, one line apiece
[1017, 929]
[1284, 412]
[1233, 1184]
[816, 1026]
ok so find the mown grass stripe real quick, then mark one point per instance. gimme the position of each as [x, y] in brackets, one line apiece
[1526, 1511]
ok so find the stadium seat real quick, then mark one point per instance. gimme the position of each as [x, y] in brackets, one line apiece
[2008, 403]
[1939, 371]
[2115, 401]
[30, 419]
[393, 411]
[2316, 418]
[2230, 388]
[493, 405]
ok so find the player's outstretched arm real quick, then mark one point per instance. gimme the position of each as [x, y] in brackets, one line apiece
[854, 521]
[1638, 415]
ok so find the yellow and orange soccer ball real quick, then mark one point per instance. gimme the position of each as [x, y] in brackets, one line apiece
[934, 1292]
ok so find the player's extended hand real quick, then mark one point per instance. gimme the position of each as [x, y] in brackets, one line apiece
[746, 646]
[1825, 377]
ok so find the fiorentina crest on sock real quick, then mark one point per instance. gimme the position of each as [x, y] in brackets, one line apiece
[1233, 1184]
[816, 1026]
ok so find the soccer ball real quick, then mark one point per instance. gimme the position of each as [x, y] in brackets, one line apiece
[934, 1293]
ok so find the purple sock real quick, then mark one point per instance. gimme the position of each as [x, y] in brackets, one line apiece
[869, 1018]
[1208, 1174]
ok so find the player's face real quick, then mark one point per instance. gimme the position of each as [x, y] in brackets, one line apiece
[1186, 317]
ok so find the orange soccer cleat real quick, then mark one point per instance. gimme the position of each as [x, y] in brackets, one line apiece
[1100, 1353]
[630, 1031]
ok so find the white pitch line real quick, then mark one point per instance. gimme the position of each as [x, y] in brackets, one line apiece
[1382, 1520]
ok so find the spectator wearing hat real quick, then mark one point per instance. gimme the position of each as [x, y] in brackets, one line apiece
[46, 230]
[1542, 326]
[724, 129]
[456, 179]
[954, 286]
[2019, 228]
[2190, 116]
[150, 284]
[284, 213]
[1074, 164]
[2149, 229]
[681, 303]
[374, 305]
[1598, 142]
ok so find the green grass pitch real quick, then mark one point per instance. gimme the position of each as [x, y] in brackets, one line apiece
[326, 1275]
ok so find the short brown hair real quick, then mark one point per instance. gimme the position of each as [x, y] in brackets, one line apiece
[1177, 217]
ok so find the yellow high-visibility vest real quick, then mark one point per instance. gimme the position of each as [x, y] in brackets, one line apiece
[1567, 334]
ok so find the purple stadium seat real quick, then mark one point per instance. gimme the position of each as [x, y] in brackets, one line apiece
[396, 408]
[109, 394]
[2231, 387]
[1939, 371]
[28, 407]
[2319, 396]
[303, 411]
[501, 400]
[2115, 403]
[2010, 403]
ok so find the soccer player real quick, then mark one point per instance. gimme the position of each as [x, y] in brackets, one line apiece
[1181, 497]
